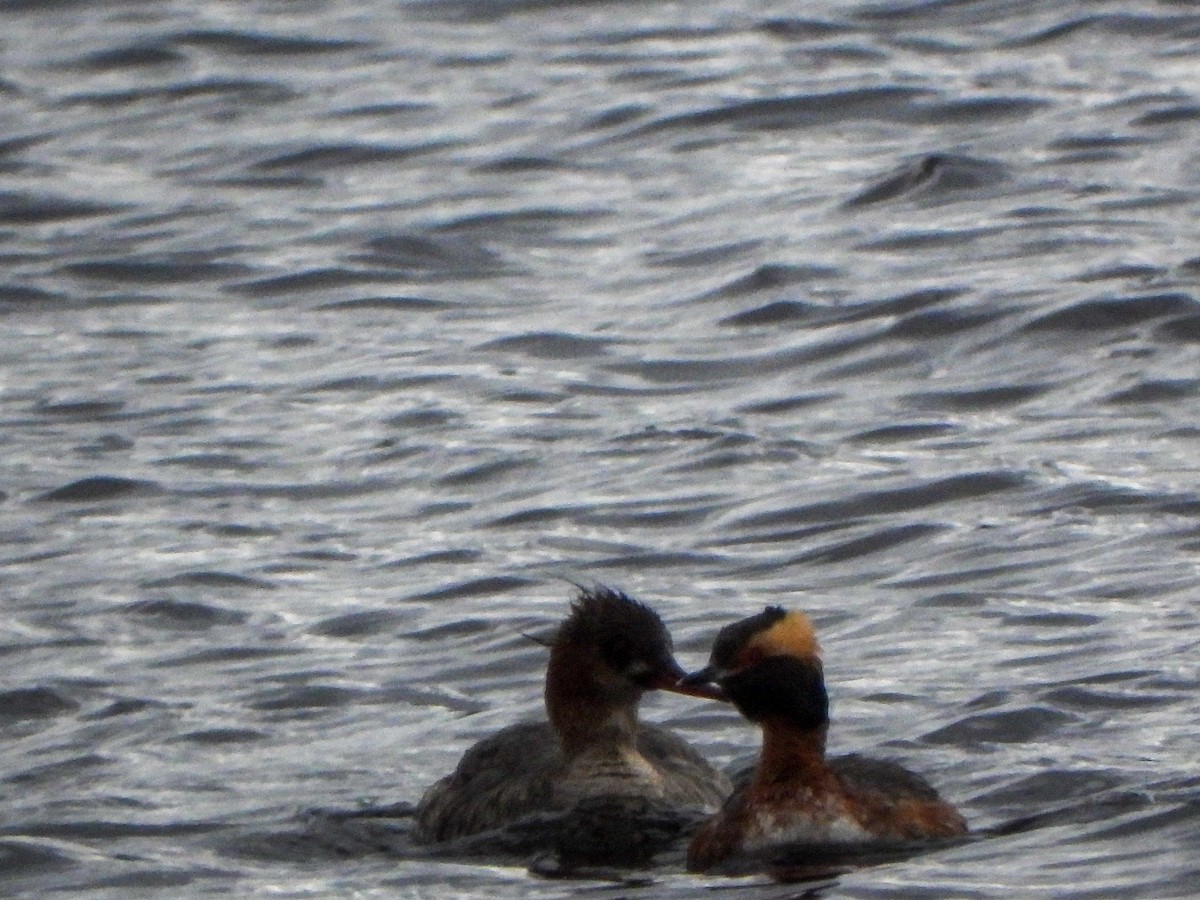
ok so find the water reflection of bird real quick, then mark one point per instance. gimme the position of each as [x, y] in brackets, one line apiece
[592, 753]
[797, 807]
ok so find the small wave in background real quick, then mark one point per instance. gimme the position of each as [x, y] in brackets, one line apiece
[336, 337]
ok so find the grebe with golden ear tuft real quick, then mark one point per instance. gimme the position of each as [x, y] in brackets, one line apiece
[798, 807]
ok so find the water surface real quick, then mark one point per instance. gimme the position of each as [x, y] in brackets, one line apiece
[335, 335]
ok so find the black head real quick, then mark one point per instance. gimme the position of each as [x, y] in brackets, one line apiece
[733, 639]
[780, 688]
[769, 665]
[628, 637]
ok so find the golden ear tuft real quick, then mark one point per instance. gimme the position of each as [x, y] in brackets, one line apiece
[792, 635]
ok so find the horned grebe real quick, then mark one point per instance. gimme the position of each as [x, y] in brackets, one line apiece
[592, 752]
[797, 807]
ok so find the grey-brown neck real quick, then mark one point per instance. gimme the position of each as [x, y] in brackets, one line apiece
[587, 708]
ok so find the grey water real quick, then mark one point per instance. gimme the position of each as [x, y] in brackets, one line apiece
[334, 336]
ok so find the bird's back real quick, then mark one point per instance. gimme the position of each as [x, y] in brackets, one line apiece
[895, 803]
[520, 771]
[858, 802]
[505, 776]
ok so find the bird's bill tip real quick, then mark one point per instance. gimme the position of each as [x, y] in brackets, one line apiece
[700, 684]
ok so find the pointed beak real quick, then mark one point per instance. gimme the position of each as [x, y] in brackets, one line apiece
[701, 684]
[678, 681]
[699, 689]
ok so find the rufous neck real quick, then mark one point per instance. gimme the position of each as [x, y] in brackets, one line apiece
[791, 752]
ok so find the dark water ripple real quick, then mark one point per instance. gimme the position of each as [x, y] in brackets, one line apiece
[934, 177]
[337, 343]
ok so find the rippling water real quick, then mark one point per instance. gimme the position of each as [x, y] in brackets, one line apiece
[335, 334]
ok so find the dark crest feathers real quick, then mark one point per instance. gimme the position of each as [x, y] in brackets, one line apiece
[732, 638]
[624, 629]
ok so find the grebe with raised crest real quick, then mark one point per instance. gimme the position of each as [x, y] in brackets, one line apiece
[591, 751]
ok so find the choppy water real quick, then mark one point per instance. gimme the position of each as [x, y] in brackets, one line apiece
[332, 333]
